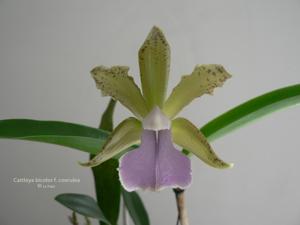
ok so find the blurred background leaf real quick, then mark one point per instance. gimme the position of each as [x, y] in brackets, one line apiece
[82, 204]
[135, 208]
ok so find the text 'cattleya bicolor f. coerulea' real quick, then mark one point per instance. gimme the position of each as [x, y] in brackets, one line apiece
[156, 163]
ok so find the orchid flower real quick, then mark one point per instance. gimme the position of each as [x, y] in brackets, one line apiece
[156, 163]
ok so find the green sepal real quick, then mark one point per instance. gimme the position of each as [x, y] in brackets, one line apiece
[154, 61]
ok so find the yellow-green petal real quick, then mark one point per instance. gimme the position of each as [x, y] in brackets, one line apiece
[116, 82]
[126, 134]
[186, 135]
[154, 61]
[203, 80]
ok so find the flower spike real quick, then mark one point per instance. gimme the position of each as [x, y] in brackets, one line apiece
[154, 60]
[156, 164]
[116, 83]
[126, 134]
[186, 135]
[203, 80]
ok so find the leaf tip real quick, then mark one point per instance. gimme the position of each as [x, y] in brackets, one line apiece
[230, 165]
[90, 163]
[223, 165]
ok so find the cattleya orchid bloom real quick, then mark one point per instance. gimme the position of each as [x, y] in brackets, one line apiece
[156, 163]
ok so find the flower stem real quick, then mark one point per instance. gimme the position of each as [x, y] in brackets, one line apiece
[124, 214]
[87, 221]
[73, 219]
[180, 202]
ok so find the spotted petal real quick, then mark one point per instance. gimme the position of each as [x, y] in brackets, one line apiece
[154, 61]
[203, 80]
[126, 134]
[116, 83]
[186, 135]
[155, 165]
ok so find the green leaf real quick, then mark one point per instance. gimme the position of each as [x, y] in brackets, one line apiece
[106, 178]
[154, 61]
[186, 135]
[106, 122]
[108, 189]
[71, 135]
[135, 208]
[82, 204]
[252, 110]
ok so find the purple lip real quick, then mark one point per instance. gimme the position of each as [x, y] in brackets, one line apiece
[155, 165]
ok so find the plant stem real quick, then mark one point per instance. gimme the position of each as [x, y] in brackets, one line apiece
[180, 202]
[124, 214]
[73, 219]
[87, 221]
[177, 222]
